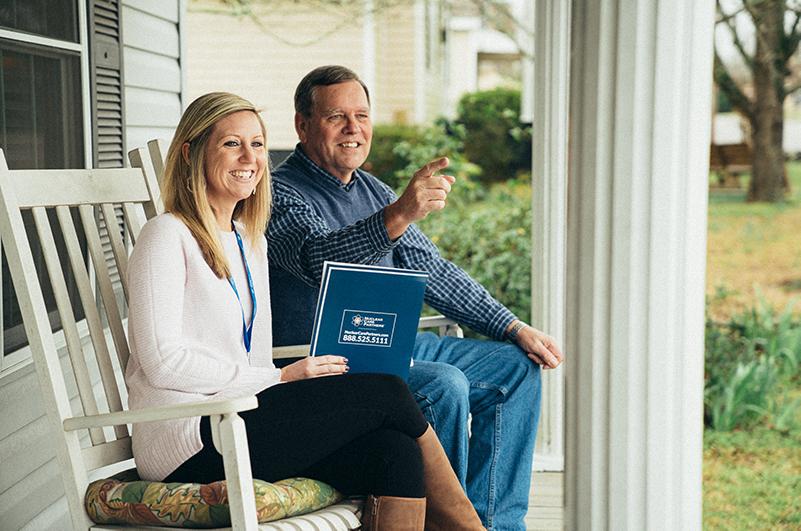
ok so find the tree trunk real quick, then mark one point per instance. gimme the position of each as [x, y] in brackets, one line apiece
[767, 176]
[767, 120]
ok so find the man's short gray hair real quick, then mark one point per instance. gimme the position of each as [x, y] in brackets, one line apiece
[322, 76]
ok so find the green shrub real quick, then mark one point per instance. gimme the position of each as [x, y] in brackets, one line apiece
[724, 104]
[383, 162]
[753, 363]
[398, 151]
[742, 399]
[773, 335]
[494, 137]
[490, 239]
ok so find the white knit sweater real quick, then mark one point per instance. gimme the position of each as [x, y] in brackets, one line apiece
[185, 329]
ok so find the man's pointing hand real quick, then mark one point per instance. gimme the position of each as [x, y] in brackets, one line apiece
[425, 193]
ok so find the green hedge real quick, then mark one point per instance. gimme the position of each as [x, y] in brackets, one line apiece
[489, 238]
[383, 162]
[494, 137]
[486, 141]
[400, 150]
[753, 370]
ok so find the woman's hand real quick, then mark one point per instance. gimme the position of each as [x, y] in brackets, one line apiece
[314, 367]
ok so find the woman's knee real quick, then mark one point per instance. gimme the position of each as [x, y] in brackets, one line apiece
[390, 384]
[398, 465]
[392, 395]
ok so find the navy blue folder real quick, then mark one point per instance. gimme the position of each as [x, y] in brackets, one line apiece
[369, 314]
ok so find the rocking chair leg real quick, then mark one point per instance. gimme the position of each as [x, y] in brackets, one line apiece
[236, 461]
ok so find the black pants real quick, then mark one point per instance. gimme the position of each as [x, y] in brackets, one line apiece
[355, 432]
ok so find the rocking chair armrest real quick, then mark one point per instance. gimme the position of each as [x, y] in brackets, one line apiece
[436, 321]
[446, 325]
[291, 351]
[151, 414]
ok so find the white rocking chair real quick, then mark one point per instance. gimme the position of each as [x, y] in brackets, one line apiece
[102, 425]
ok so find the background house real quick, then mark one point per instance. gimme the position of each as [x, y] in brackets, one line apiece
[481, 57]
[417, 57]
[398, 51]
[81, 83]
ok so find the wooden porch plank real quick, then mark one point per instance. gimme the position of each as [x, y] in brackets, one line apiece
[546, 500]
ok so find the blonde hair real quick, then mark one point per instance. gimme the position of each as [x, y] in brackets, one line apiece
[184, 185]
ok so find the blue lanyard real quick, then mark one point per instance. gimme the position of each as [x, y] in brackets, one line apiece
[247, 331]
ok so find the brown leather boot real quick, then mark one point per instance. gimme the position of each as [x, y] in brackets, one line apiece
[447, 506]
[392, 513]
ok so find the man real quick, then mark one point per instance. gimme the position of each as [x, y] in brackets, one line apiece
[326, 208]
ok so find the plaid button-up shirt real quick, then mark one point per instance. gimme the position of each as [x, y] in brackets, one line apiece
[300, 240]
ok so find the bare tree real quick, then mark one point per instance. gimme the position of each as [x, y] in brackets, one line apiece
[777, 33]
[496, 14]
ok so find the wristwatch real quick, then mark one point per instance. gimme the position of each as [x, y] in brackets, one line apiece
[511, 335]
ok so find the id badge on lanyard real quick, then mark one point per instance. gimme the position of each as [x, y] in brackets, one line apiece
[247, 330]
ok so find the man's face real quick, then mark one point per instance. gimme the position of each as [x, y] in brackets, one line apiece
[338, 133]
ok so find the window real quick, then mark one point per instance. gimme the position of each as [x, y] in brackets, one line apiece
[56, 19]
[41, 114]
[40, 102]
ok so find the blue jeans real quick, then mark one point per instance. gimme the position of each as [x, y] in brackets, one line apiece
[500, 387]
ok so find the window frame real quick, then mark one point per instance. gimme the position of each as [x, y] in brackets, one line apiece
[21, 357]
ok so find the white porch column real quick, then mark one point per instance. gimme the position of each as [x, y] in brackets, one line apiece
[550, 90]
[637, 196]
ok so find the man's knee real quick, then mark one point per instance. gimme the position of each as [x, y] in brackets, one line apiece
[452, 381]
[520, 371]
[439, 382]
[522, 392]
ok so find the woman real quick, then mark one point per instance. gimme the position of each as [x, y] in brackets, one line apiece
[200, 329]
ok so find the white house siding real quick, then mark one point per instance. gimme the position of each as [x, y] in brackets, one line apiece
[31, 492]
[236, 55]
[408, 89]
[396, 75]
[462, 60]
[152, 69]
[29, 480]
[434, 67]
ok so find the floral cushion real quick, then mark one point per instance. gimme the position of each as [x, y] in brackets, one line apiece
[111, 501]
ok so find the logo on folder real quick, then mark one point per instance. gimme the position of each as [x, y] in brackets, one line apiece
[367, 328]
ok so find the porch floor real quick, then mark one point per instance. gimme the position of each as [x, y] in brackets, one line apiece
[545, 502]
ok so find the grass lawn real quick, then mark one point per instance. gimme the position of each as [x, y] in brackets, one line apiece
[752, 480]
[754, 250]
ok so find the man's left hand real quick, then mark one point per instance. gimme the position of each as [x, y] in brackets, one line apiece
[539, 347]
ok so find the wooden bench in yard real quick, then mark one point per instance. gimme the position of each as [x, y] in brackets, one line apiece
[729, 161]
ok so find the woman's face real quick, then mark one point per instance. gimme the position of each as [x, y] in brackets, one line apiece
[235, 160]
